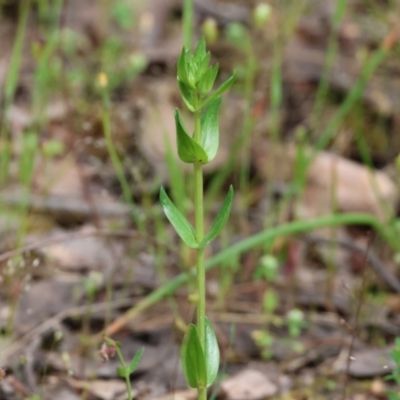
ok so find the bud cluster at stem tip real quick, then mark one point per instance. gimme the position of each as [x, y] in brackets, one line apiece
[196, 78]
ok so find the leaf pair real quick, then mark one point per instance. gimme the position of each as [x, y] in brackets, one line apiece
[184, 228]
[200, 367]
[124, 371]
[189, 150]
[196, 78]
[205, 83]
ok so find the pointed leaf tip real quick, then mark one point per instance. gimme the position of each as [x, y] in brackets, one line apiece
[136, 360]
[221, 89]
[220, 220]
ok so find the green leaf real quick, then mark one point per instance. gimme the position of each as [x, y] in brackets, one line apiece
[181, 225]
[202, 67]
[221, 89]
[186, 95]
[189, 150]
[219, 221]
[209, 129]
[207, 81]
[122, 372]
[200, 52]
[136, 360]
[193, 364]
[182, 66]
[211, 354]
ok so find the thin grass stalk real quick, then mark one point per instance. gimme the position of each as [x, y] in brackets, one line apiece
[332, 51]
[352, 97]
[118, 167]
[251, 242]
[10, 88]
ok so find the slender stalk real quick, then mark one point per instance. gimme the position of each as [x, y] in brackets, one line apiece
[126, 375]
[352, 97]
[248, 122]
[332, 52]
[10, 87]
[201, 308]
[187, 23]
[117, 164]
[199, 226]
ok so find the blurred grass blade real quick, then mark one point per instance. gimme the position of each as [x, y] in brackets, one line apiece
[10, 87]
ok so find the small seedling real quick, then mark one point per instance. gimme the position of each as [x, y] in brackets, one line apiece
[395, 375]
[200, 352]
[267, 269]
[109, 349]
[295, 322]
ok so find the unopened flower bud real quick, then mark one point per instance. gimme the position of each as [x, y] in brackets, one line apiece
[102, 79]
[107, 350]
[210, 30]
[261, 15]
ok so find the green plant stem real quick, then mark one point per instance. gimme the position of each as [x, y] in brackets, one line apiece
[258, 239]
[126, 375]
[187, 23]
[199, 226]
[202, 393]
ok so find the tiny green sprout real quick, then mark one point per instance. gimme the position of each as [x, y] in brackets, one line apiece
[271, 301]
[261, 15]
[122, 13]
[196, 79]
[395, 375]
[295, 322]
[58, 335]
[268, 268]
[109, 349]
[210, 30]
[52, 148]
[138, 62]
[92, 283]
[238, 35]
[264, 340]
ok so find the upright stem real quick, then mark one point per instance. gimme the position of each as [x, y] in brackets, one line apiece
[199, 223]
[188, 23]
[200, 268]
[10, 87]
